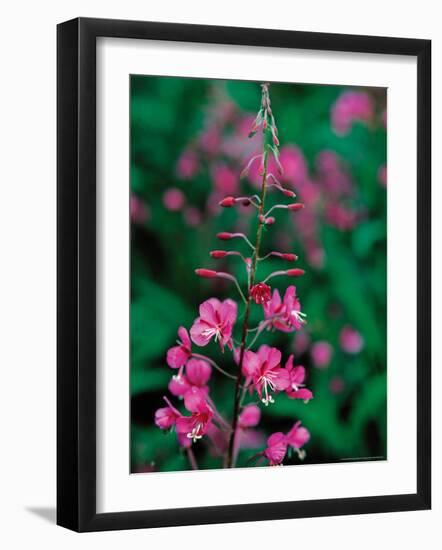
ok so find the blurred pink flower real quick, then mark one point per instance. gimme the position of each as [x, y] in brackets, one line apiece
[225, 179]
[297, 437]
[351, 340]
[382, 175]
[293, 162]
[336, 384]
[174, 199]
[321, 354]
[216, 320]
[210, 140]
[301, 342]
[349, 107]
[276, 448]
[250, 416]
[188, 165]
[139, 212]
[340, 216]
[192, 216]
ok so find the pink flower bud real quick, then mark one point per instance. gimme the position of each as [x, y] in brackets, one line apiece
[295, 272]
[206, 273]
[289, 257]
[288, 192]
[224, 236]
[217, 254]
[294, 207]
[228, 202]
[270, 220]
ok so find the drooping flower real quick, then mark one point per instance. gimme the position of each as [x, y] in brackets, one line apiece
[284, 315]
[178, 355]
[196, 425]
[264, 373]
[297, 389]
[166, 417]
[261, 293]
[198, 372]
[179, 385]
[351, 340]
[216, 320]
[276, 448]
[321, 353]
[297, 437]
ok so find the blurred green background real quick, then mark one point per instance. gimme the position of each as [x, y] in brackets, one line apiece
[188, 145]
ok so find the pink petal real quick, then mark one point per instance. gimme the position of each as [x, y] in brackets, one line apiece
[198, 372]
[289, 363]
[302, 393]
[282, 380]
[196, 332]
[250, 416]
[297, 376]
[184, 337]
[274, 358]
[178, 386]
[195, 400]
[184, 425]
[298, 436]
[183, 440]
[228, 312]
[208, 311]
[251, 364]
[176, 357]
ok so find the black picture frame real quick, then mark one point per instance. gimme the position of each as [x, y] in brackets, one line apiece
[76, 273]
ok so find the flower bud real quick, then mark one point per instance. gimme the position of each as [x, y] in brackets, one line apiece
[261, 293]
[289, 257]
[295, 272]
[270, 220]
[288, 192]
[206, 273]
[217, 254]
[227, 202]
[295, 206]
[224, 236]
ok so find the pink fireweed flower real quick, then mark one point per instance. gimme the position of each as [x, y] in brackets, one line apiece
[174, 199]
[336, 385]
[225, 179]
[263, 372]
[166, 417]
[297, 389]
[297, 437]
[349, 107]
[276, 448]
[188, 165]
[321, 353]
[249, 417]
[351, 340]
[261, 293]
[284, 315]
[216, 320]
[178, 355]
[196, 425]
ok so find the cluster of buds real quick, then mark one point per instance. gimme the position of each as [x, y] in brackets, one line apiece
[257, 372]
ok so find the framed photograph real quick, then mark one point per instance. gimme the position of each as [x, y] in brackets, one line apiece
[243, 293]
